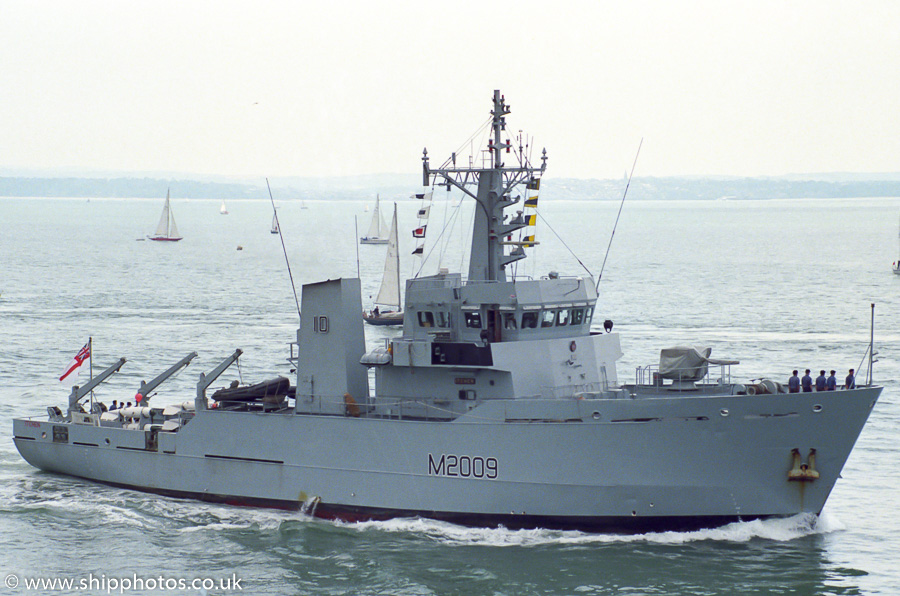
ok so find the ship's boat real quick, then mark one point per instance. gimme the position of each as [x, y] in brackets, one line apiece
[273, 390]
[497, 403]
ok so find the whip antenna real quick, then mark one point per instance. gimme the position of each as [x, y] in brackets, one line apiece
[356, 235]
[283, 248]
[622, 204]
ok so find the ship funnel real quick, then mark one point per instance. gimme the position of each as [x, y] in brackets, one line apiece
[331, 342]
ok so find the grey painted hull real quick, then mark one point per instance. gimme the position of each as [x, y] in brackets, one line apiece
[617, 464]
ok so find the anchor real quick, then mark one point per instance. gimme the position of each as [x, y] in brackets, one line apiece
[803, 472]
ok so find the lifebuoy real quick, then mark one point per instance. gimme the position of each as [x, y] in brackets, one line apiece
[572, 346]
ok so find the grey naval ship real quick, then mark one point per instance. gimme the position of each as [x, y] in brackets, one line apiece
[496, 405]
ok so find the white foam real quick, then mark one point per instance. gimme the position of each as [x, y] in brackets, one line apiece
[781, 530]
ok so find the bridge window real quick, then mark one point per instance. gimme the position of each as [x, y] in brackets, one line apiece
[473, 320]
[529, 320]
[562, 317]
[443, 319]
[426, 319]
[577, 316]
[548, 317]
[509, 320]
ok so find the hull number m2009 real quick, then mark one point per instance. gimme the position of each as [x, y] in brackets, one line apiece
[462, 466]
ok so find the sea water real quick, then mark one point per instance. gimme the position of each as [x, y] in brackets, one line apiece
[776, 284]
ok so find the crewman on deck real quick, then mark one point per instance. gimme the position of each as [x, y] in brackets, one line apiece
[850, 381]
[806, 382]
[831, 382]
[794, 383]
[820, 381]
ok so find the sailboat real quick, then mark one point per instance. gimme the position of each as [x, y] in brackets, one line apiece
[222, 209]
[274, 229]
[377, 228]
[389, 294]
[896, 267]
[166, 230]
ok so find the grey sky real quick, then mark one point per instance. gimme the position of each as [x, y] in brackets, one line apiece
[342, 88]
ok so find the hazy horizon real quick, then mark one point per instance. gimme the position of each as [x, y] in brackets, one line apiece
[250, 90]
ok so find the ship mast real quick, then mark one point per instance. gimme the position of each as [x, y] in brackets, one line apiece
[488, 259]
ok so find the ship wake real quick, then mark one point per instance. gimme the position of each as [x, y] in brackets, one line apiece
[779, 530]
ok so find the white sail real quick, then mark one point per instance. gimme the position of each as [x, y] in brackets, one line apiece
[389, 294]
[377, 226]
[162, 228]
[274, 224]
[166, 228]
[173, 229]
[222, 209]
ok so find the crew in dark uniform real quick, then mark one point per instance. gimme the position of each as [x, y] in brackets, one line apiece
[820, 381]
[806, 382]
[794, 383]
[850, 381]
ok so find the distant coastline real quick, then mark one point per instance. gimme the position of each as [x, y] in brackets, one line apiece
[393, 186]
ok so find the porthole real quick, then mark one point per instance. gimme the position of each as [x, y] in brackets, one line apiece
[596, 415]
[43, 435]
[817, 408]
[724, 412]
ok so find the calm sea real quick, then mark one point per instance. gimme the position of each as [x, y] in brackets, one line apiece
[776, 284]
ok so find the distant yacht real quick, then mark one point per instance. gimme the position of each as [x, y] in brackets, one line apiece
[222, 209]
[274, 229]
[389, 293]
[166, 230]
[377, 229]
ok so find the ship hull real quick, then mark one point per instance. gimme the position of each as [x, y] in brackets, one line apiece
[607, 464]
[384, 319]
